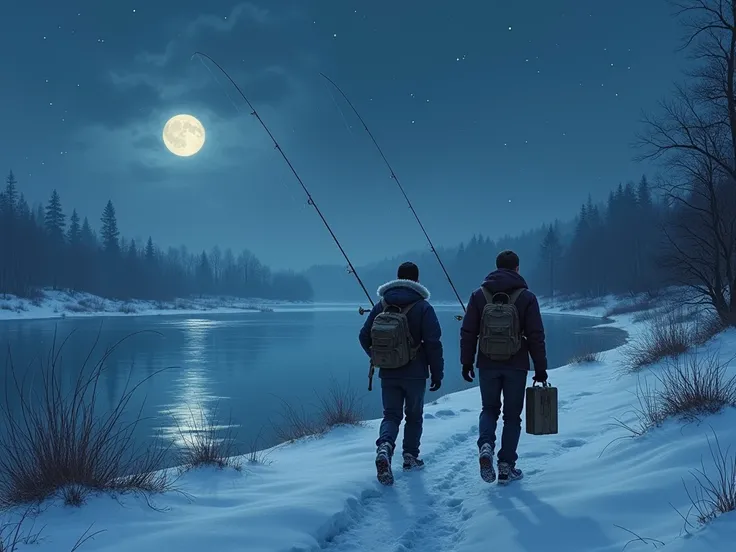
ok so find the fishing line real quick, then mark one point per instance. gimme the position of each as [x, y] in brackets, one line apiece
[339, 109]
[310, 200]
[406, 197]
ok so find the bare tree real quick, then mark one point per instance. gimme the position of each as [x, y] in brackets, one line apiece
[694, 137]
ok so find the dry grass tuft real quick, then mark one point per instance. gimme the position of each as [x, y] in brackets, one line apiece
[696, 385]
[340, 406]
[14, 534]
[665, 336]
[209, 444]
[586, 358]
[715, 493]
[688, 387]
[630, 307]
[55, 442]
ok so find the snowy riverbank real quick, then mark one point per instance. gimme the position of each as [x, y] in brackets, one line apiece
[589, 488]
[61, 304]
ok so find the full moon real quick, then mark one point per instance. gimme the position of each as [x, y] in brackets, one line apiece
[183, 135]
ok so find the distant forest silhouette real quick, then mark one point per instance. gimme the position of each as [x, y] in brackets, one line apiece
[40, 248]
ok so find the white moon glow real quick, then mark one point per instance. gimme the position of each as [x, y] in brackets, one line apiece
[183, 135]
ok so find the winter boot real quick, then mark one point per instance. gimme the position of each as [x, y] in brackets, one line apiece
[508, 473]
[485, 458]
[383, 464]
[411, 462]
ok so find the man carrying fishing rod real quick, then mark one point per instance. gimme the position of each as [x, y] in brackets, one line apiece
[402, 336]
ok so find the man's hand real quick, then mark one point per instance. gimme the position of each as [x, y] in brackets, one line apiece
[468, 373]
[540, 376]
[435, 385]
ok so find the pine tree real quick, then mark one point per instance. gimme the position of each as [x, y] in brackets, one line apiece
[10, 196]
[40, 216]
[551, 250]
[55, 219]
[24, 211]
[110, 233]
[644, 195]
[150, 251]
[204, 274]
[132, 251]
[74, 234]
[87, 235]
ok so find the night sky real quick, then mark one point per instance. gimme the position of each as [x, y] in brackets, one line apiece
[496, 117]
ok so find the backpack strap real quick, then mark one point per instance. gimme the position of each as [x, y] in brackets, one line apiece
[512, 297]
[402, 310]
[515, 295]
[487, 294]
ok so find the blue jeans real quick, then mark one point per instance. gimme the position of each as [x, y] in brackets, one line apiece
[402, 396]
[511, 384]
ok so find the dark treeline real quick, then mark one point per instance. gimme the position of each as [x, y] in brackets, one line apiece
[43, 247]
[608, 248]
[613, 248]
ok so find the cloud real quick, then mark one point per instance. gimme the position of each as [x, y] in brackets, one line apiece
[244, 11]
[257, 48]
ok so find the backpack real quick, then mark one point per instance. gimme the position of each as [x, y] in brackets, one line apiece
[500, 331]
[392, 345]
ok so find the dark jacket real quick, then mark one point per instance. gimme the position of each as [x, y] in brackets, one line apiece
[530, 319]
[423, 325]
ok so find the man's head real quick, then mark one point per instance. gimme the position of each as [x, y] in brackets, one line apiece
[508, 260]
[408, 271]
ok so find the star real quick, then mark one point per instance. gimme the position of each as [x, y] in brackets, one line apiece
[509, 27]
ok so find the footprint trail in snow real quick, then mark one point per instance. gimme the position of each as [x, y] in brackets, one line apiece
[421, 511]
[426, 510]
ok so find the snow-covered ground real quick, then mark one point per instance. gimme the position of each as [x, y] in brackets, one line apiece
[60, 304]
[589, 488]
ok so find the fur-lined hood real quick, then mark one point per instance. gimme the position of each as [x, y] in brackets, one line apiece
[410, 284]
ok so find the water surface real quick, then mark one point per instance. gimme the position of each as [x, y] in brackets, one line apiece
[241, 368]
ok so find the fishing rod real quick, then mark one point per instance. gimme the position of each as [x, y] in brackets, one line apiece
[310, 200]
[398, 183]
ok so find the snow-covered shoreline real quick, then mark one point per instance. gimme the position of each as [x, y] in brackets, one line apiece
[64, 304]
